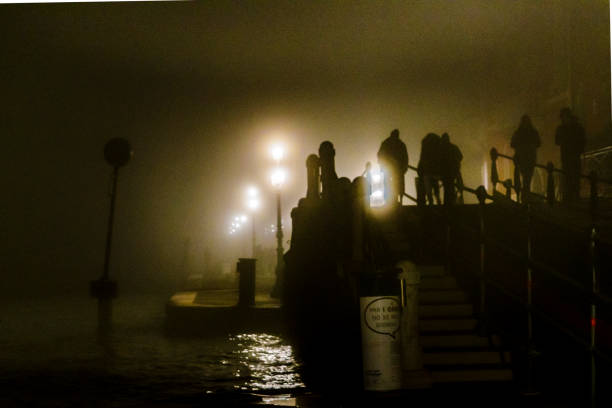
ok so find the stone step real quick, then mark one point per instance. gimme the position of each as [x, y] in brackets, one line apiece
[446, 282]
[453, 341]
[446, 325]
[442, 296]
[457, 376]
[444, 358]
[445, 310]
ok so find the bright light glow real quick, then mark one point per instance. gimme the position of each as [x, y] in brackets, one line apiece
[278, 177]
[376, 177]
[243, 218]
[277, 152]
[378, 194]
[253, 204]
[485, 175]
[252, 192]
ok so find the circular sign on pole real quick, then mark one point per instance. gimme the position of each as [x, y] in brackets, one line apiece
[117, 152]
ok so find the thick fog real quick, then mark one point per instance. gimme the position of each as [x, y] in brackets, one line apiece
[200, 90]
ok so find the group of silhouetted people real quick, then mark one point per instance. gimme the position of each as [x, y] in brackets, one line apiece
[440, 161]
[570, 137]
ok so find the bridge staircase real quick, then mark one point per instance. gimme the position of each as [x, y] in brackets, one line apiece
[456, 353]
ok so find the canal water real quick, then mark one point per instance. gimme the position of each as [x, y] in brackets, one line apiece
[51, 355]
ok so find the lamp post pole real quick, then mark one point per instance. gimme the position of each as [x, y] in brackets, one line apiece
[278, 178]
[279, 246]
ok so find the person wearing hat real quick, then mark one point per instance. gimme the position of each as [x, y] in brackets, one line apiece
[570, 138]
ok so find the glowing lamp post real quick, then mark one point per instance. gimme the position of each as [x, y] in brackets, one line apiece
[277, 178]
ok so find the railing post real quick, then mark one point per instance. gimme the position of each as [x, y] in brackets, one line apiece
[531, 350]
[517, 183]
[550, 184]
[481, 193]
[447, 249]
[508, 187]
[593, 248]
[594, 204]
[594, 264]
[494, 174]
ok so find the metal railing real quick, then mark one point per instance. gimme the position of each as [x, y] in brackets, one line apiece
[486, 242]
[551, 171]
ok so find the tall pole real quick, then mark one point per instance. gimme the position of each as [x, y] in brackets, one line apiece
[109, 230]
[117, 152]
[279, 234]
[276, 291]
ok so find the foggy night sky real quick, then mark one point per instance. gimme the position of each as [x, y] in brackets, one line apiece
[201, 89]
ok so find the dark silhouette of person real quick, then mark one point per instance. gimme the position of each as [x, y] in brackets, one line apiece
[393, 160]
[450, 168]
[525, 142]
[428, 168]
[327, 155]
[570, 138]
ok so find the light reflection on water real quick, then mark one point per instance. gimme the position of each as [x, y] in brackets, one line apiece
[57, 339]
[269, 362]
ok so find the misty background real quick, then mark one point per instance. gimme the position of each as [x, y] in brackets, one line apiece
[200, 90]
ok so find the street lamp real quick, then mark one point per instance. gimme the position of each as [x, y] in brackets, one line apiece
[277, 178]
[277, 151]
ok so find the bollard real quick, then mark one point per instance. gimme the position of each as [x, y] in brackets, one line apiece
[246, 285]
[380, 309]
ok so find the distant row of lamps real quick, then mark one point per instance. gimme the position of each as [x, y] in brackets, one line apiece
[278, 176]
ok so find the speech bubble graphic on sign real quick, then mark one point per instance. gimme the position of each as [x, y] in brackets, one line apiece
[382, 315]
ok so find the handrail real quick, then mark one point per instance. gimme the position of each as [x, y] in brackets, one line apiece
[550, 169]
[546, 167]
[592, 294]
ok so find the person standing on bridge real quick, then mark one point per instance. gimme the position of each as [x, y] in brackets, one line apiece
[393, 160]
[525, 142]
[429, 170]
[450, 168]
[571, 139]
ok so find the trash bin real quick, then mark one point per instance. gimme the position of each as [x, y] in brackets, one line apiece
[246, 281]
